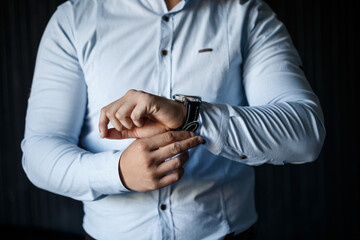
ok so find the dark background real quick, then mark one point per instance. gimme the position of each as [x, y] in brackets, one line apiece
[318, 200]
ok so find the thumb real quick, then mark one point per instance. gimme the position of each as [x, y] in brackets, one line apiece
[123, 134]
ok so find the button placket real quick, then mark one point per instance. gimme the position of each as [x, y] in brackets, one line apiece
[165, 56]
[164, 213]
[165, 18]
[164, 52]
[164, 205]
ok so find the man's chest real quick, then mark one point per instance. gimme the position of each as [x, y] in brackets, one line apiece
[187, 52]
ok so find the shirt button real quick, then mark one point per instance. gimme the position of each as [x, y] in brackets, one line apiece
[164, 52]
[163, 207]
[165, 18]
[243, 157]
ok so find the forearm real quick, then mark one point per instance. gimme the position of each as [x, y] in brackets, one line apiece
[58, 165]
[283, 121]
[55, 118]
[283, 132]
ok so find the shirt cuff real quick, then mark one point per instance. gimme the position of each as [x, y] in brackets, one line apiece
[103, 173]
[213, 121]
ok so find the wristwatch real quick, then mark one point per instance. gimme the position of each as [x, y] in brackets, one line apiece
[192, 104]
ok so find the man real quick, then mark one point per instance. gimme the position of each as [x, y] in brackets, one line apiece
[114, 66]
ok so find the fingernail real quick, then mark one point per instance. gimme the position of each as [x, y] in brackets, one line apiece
[192, 134]
[101, 134]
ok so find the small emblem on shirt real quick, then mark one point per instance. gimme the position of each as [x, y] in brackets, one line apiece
[205, 50]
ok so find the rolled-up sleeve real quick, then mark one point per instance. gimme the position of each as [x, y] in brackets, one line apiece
[52, 158]
[283, 122]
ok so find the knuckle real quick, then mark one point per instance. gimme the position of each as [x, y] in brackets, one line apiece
[144, 98]
[175, 149]
[177, 163]
[108, 114]
[118, 115]
[143, 95]
[178, 176]
[189, 144]
[130, 92]
[141, 145]
[103, 110]
[170, 136]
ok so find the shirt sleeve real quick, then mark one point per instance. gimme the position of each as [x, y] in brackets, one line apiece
[52, 158]
[283, 122]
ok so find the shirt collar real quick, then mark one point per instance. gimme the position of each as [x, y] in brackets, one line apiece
[159, 6]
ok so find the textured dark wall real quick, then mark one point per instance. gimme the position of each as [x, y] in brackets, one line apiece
[319, 200]
[22, 23]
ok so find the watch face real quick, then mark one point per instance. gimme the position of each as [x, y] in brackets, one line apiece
[183, 98]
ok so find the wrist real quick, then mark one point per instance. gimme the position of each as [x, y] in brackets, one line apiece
[192, 108]
[121, 175]
[182, 114]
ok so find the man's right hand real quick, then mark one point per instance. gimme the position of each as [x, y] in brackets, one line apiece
[142, 166]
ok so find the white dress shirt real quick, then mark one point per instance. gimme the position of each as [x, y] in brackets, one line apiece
[258, 108]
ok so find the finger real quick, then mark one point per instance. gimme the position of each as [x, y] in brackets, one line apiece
[173, 164]
[123, 114]
[126, 133]
[166, 138]
[127, 123]
[115, 122]
[149, 129]
[177, 147]
[138, 114]
[171, 178]
[103, 123]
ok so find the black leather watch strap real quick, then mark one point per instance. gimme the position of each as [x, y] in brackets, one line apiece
[192, 105]
[191, 117]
